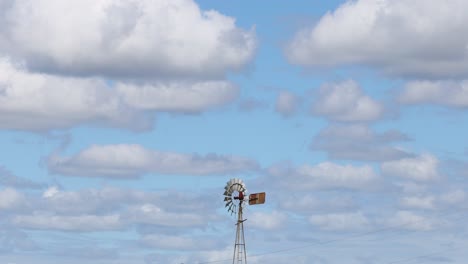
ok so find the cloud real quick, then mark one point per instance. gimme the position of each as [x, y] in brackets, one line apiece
[126, 38]
[91, 253]
[154, 215]
[12, 240]
[323, 176]
[11, 199]
[130, 161]
[88, 201]
[340, 221]
[274, 220]
[10, 180]
[305, 203]
[445, 93]
[178, 96]
[359, 142]
[80, 223]
[30, 101]
[286, 103]
[426, 202]
[454, 197]
[345, 101]
[403, 38]
[107, 209]
[411, 221]
[422, 168]
[179, 242]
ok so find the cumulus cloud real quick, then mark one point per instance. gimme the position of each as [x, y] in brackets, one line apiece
[179, 242]
[130, 161]
[422, 168]
[268, 221]
[11, 199]
[154, 215]
[11, 180]
[178, 96]
[411, 221]
[454, 197]
[340, 221]
[125, 38]
[445, 93]
[308, 202]
[346, 101]
[88, 201]
[405, 38]
[286, 103]
[418, 202]
[107, 209]
[359, 142]
[32, 101]
[325, 175]
[81, 223]
[13, 240]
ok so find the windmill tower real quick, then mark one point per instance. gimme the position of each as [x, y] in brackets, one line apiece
[235, 198]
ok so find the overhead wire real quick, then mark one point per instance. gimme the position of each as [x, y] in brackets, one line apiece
[321, 243]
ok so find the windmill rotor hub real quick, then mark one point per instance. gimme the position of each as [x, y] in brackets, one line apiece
[235, 190]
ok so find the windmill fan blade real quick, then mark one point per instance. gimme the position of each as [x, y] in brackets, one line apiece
[226, 193]
[228, 203]
[227, 198]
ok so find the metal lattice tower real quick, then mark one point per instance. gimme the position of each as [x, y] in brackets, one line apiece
[235, 191]
[240, 255]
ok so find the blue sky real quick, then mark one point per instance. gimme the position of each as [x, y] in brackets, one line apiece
[121, 122]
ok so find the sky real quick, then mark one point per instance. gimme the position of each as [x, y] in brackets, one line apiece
[122, 120]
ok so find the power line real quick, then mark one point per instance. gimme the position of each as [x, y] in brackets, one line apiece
[321, 243]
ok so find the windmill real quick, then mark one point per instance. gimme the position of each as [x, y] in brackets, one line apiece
[235, 196]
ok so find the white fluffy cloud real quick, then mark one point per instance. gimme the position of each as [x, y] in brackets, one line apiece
[268, 221]
[324, 175]
[345, 101]
[126, 38]
[418, 202]
[178, 96]
[446, 93]
[179, 242]
[305, 203]
[10, 199]
[107, 209]
[402, 37]
[152, 214]
[32, 101]
[421, 168]
[128, 161]
[340, 221]
[81, 223]
[454, 197]
[286, 103]
[412, 221]
[359, 142]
